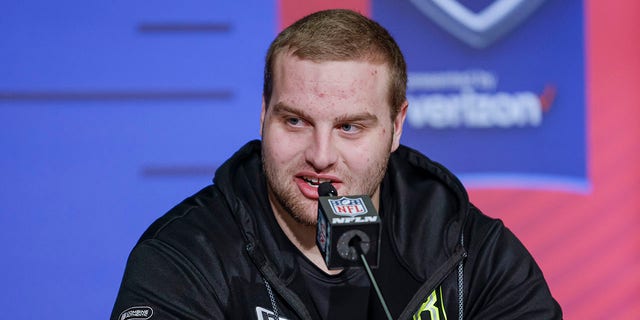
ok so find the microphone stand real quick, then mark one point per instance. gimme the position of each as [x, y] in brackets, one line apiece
[355, 242]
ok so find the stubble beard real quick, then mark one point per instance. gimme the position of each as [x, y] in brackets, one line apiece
[287, 197]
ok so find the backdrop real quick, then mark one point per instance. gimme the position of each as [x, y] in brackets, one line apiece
[114, 111]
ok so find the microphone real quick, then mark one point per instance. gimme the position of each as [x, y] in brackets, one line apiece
[347, 226]
[348, 233]
[327, 189]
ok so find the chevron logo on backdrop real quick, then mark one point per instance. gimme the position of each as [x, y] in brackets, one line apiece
[478, 28]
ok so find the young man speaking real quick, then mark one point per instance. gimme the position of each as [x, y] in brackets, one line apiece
[244, 247]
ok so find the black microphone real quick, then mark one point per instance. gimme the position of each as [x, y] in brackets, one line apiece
[348, 233]
[346, 226]
[326, 189]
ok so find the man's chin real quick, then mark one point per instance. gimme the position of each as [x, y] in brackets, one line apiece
[305, 215]
[306, 212]
[305, 220]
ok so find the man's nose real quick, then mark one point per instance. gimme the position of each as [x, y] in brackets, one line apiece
[321, 152]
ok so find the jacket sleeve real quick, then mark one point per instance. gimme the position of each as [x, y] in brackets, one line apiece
[160, 283]
[504, 280]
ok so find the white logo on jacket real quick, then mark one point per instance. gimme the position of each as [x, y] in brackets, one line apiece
[264, 314]
[139, 312]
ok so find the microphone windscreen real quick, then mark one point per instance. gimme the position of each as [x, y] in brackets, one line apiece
[326, 189]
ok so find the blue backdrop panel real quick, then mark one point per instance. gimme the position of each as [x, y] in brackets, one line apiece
[112, 112]
[496, 88]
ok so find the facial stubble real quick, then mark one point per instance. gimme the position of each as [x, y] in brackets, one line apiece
[283, 193]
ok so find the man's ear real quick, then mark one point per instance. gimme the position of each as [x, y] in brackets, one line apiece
[262, 115]
[398, 122]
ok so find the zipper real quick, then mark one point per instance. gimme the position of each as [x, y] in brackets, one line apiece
[428, 286]
[269, 275]
[267, 272]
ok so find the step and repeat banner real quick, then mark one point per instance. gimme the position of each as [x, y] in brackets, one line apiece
[115, 111]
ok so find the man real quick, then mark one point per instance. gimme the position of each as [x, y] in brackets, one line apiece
[244, 248]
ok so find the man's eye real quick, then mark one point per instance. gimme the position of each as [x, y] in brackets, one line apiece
[293, 121]
[350, 128]
[347, 127]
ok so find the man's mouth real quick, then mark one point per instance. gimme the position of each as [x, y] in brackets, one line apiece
[314, 182]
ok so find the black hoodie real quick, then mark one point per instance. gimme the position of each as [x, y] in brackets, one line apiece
[220, 254]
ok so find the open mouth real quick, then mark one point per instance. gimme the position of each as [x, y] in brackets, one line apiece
[314, 182]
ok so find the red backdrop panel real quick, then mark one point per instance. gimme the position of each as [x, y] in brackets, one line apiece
[587, 245]
[292, 10]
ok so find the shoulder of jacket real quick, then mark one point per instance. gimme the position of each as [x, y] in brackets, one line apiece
[205, 212]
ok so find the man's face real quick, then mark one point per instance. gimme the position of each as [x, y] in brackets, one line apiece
[327, 121]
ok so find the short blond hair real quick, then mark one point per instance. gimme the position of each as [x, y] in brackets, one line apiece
[340, 35]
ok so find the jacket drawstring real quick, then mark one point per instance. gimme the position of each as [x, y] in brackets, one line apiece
[461, 283]
[272, 298]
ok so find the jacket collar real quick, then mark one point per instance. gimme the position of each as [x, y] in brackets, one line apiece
[424, 207]
[243, 185]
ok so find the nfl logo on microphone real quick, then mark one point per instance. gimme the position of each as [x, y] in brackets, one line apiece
[348, 206]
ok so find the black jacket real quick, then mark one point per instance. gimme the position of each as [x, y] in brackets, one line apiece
[220, 254]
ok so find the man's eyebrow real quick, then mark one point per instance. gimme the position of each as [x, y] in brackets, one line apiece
[281, 107]
[363, 116]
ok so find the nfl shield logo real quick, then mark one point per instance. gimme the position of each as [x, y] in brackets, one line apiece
[478, 29]
[348, 206]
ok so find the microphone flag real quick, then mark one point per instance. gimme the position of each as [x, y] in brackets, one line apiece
[343, 223]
